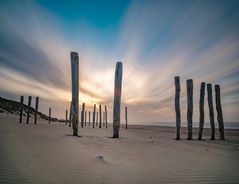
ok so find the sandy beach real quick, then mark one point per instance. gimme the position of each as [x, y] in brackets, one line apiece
[46, 153]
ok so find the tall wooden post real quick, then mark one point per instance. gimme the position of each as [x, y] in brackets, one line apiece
[190, 108]
[100, 116]
[82, 115]
[94, 116]
[21, 109]
[75, 91]
[49, 115]
[36, 109]
[117, 99]
[211, 112]
[106, 126]
[177, 106]
[126, 118]
[201, 110]
[28, 108]
[66, 115]
[89, 118]
[85, 117]
[219, 112]
[70, 115]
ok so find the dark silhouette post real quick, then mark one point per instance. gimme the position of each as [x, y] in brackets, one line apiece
[201, 110]
[103, 119]
[211, 112]
[85, 117]
[28, 108]
[66, 115]
[96, 119]
[21, 109]
[126, 118]
[36, 109]
[94, 116]
[106, 126]
[49, 115]
[190, 108]
[219, 112]
[75, 91]
[100, 116]
[117, 99]
[89, 118]
[70, 120]
[82, 115]
[177, 106]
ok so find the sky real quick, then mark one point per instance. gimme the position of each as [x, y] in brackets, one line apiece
[156, 41]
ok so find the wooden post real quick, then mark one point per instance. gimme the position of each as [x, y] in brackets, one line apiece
[103, 119]
[28, 108]
[66, 115]
[85, 117]
[211, 112]
[100, 116]
[190, 108]
[75, 91]
[36, 109]
[96, 119]
[117, 99]
[70, 115]
[94, 116]
[126, 118]
[49, 115]
[89, 118]
[201, 110]
[106, 126]
[177, 106]
[21, 109]
[82, 115]
[219, 112]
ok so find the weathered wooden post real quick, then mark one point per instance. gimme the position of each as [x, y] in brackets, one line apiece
[82, 115]
[117, 99]
[96, 119]
[75, 91]
[106, 126]
[94, 116]
[89, 118]
[49, 115]
[211, 112]
[70, 115]
[177, 106]
[36, 109]
[219, 112]
[66, 115]
[100, 116]
[126, 118]
[21, 109]
[85, 117]
[201, 110]
[103, 119]
[28, 108]
[190, 108]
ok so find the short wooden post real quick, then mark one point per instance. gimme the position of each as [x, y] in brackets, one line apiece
[117, 99]
[106, 126]
[66, 115]
[49, 115]
[177, 106]
[190, 108]
[126, 118]
[70, 115]
[219, 112]
[85, 117]
[28, 108]
[75, 91]
[100, 116]
[211, 112]
[36, 109]
[96, 119]
[21, 109]
[94, 116]
[89, 118]
[201, 110]
[82, 115]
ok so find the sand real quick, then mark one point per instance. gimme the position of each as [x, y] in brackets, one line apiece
[46, 153]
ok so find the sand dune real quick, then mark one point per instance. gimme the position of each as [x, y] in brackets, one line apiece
[46, 153]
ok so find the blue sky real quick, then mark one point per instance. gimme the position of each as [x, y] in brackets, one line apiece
[155, 40]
